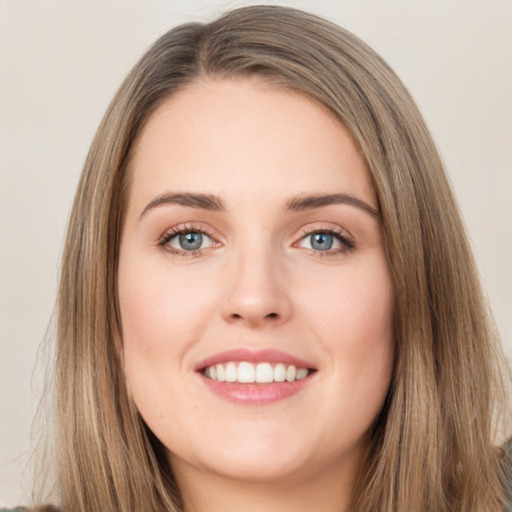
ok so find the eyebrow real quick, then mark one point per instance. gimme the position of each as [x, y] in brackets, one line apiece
[309, 202]
[214, 203]
[200, 201]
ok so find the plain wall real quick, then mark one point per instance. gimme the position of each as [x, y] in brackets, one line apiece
[60, 64]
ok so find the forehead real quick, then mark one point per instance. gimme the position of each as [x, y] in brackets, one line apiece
[238, 136]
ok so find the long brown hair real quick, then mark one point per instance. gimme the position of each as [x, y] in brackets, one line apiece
[432, 446]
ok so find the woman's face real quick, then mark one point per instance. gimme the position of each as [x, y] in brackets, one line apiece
[255, 296]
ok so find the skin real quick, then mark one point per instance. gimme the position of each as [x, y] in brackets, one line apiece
[256, 283]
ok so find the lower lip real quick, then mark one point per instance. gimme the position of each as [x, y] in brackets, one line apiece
[256, 394]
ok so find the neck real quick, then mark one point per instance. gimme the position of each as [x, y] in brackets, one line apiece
[329, 491]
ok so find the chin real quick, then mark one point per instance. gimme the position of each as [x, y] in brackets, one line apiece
[273, 469]
[271, 459]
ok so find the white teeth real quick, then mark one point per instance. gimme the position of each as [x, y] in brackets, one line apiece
[280, 372]
[262, 373]
[231, 373]
[246, 372]
[221, 373]
[291, 373]
[302, 373]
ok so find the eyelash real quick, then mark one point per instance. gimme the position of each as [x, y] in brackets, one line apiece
[180, 230]
[347, 243]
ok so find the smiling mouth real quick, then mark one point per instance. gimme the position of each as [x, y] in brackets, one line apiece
[244, 372]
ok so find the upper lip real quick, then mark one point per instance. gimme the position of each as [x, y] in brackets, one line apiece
[253, 356]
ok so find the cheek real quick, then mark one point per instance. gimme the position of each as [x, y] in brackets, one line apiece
[352, 318]
[162, 316]
[158, 306]
[361, 344]
[356, 305]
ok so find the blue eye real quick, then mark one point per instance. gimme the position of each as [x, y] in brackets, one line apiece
[321, 241]
[326, 241]
[188, 241]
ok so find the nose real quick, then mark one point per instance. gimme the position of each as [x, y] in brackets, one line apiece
[257, 293]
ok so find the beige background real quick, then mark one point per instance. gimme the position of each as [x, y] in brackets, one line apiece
[60, 63]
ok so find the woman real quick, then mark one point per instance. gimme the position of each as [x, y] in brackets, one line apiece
[267, 297]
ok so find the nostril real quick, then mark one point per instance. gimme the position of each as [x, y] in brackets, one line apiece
[272, 315]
